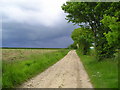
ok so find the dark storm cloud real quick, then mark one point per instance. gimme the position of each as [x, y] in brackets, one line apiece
[20, 35]
[35, 23]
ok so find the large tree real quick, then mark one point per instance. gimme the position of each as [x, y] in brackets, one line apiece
[90, 14]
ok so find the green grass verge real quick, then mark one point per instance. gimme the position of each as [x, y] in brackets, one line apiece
[102, 74]
[16, 72]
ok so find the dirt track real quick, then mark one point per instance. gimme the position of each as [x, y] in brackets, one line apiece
[66, 73]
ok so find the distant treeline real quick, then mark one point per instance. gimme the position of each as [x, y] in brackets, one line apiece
[28, 48]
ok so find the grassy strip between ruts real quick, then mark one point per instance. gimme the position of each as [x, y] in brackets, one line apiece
[16, 72]
[102, 74]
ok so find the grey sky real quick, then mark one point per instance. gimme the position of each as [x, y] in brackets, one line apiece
[35, 23]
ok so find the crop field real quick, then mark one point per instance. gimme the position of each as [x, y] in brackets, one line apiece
[19, 65]
[21, 54]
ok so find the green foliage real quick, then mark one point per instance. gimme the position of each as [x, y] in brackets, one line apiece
[90, 14]
[83, 37]
[73, 46]
[16, 72]
[113, 36]
[102, 74]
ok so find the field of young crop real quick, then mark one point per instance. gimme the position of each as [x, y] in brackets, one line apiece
[21, 54]
[19, 65]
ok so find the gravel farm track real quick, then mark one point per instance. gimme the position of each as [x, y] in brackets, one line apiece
[69, 72]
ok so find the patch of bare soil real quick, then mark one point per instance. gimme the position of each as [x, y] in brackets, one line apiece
[66, 73]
